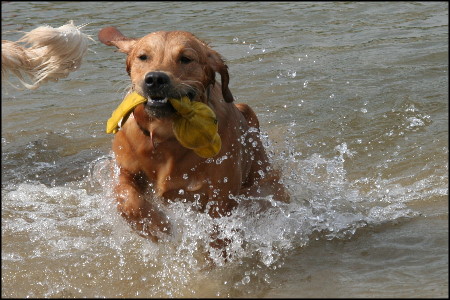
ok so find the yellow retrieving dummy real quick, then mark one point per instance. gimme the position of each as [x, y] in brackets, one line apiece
[195, 125]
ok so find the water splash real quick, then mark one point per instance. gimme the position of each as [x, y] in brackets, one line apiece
[78, 231]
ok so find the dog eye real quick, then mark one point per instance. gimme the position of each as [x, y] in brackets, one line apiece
[185, 60]
[143, 57]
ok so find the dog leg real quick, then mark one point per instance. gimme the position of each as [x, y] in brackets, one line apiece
[140, 213]
[218, 210]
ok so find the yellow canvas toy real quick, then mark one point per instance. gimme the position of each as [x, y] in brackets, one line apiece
[123, 111]
[195, 125]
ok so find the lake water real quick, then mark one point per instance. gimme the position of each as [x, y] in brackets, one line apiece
[353, 103]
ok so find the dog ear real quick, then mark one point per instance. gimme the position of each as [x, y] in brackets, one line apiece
[112, 37]
[219, 66]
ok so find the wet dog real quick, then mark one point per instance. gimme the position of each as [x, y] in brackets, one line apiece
[175, 64]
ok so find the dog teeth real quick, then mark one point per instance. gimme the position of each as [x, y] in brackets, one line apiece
[158, 100]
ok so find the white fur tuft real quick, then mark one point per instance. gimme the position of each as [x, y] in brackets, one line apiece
[49, 54]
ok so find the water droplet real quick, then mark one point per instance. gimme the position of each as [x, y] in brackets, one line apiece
[305, 84]
[411, 108]
[261, 173]
[221, 159]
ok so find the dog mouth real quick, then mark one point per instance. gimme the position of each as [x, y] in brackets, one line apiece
[160, 104]
[157, 102]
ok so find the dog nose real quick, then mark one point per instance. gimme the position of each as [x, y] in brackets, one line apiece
[156, 81]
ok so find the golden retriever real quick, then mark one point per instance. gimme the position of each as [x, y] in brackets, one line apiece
[172, 64]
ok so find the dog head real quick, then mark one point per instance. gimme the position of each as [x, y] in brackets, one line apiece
[169, 64]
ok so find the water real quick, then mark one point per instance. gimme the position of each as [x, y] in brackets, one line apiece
[353, 102]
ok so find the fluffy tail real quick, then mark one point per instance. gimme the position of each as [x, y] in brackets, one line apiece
[48, 54]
